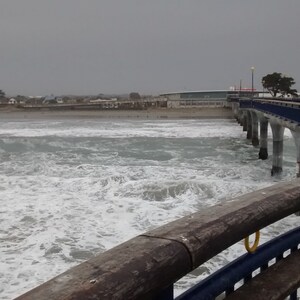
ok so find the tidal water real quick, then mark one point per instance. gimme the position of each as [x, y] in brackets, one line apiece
[70, 189]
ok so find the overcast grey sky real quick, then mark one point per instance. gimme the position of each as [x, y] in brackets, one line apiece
[153, 46]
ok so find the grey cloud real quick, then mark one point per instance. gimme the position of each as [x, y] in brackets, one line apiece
[93, 46]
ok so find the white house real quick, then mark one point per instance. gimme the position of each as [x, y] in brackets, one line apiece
[12, 101]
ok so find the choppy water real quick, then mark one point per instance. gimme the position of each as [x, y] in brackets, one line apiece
[71, 189]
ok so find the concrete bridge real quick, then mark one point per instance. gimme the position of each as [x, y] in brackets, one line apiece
[257, 113]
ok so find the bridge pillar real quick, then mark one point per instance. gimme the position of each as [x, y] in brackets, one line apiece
[277, 131]
[255, 140]
[263, 151]
[296, 135]
[241, 117]
[235, 110]
[245, 119]
[249, 126]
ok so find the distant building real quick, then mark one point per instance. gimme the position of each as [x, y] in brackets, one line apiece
[212, 98]
[50, 100]
[12, 101]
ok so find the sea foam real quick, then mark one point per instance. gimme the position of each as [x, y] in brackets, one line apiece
[70, 189]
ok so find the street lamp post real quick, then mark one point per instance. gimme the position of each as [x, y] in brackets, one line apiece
[252, 80]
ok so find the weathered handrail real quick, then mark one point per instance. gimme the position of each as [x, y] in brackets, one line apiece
[149, 263]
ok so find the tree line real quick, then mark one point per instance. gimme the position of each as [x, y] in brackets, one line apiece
[275, 83]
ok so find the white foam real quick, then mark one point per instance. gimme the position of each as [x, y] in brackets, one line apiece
[117, 129]
[69, 190]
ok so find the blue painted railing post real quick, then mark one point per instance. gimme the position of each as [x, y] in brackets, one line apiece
[166, 294]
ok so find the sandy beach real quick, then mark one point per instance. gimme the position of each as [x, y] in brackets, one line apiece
[161, 113]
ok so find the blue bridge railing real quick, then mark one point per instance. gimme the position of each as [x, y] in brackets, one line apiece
[242, 268]
[282, 109]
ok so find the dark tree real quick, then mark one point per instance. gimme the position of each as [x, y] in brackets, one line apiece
[2, 94]
[285, 86]
[276, 83]
[134, 96]
[271, 82]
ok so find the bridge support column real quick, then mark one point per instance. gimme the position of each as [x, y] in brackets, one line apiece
[241, 118]
[296, 135]
[277, 131]
[249, 126]
[245, 119]
[255, 141]
[263, 151]
[235, 110]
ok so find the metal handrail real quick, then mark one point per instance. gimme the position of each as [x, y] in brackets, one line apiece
[241, 268]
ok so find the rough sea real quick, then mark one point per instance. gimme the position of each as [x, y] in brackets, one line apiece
[70, 189]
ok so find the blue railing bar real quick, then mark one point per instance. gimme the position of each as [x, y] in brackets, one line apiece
[248, 277]
[278, 282]
[293, 296]
[285, 112]
[235, 271]
[278, 101]
[264, 267]
[282, 111]
[166, 294]
[229, 290]
[279, 257]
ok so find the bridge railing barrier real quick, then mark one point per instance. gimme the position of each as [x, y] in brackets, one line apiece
[285, 109]
[245, 103]
[285, 112]
[276, 280]
[146, 266]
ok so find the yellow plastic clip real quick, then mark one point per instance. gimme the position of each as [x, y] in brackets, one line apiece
[253, 248]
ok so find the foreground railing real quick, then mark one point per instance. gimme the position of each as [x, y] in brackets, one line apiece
[146, 266]
[242, 268]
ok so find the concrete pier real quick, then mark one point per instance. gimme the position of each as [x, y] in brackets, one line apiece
[263, 151]
[241, 118]
[249, 126]
[280, 113]
[296, 135]
[277, 131]
[255, 140]
[245, 121]
[235, 108]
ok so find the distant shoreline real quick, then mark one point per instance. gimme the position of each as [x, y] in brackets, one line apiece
[158, 113]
